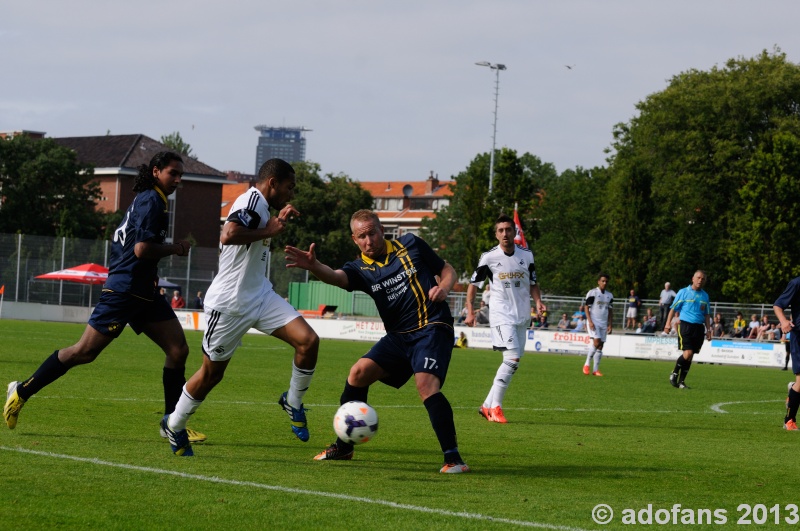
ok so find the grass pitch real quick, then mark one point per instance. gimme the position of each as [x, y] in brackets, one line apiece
[87, 454]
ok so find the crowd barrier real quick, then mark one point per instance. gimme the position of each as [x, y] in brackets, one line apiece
[637, 346]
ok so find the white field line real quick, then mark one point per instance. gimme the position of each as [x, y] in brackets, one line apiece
[290, 490]
[713, 408]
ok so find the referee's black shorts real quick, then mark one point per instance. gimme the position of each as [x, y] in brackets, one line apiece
[691, 336]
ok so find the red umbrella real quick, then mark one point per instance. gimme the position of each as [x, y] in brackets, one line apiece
[83, 274]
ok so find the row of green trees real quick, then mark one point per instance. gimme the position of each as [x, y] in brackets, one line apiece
[706, 176]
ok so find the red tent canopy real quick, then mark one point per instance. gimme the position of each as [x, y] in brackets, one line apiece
[83, 274]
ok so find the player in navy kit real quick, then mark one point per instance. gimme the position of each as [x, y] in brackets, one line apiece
[790, 298]
[401, 277]
[130, 295]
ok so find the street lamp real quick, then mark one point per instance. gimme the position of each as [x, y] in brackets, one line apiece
[496, 67]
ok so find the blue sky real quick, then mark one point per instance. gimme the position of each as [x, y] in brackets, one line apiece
[390, 89]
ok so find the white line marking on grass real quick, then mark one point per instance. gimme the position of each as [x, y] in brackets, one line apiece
[321, 494]
[718, 407]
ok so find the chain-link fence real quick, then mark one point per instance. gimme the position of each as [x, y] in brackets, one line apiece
[24, 257]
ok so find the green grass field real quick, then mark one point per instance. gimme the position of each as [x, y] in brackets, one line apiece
[86, 452]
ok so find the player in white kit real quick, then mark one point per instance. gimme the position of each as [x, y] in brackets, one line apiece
[511, 273]
[241, 297]
[599, 308]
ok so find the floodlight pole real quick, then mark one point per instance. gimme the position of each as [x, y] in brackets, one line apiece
[496, 67]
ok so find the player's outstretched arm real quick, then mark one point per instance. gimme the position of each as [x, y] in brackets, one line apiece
[447, 278]
[308, 260]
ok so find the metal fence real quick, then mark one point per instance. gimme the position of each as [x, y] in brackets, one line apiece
[23, 257]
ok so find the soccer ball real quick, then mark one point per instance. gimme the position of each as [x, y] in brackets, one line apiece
[355, 422]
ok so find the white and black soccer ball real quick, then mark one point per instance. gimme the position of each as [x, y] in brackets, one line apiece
[355, 422]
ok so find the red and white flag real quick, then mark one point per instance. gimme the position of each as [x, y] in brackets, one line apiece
[519, 239]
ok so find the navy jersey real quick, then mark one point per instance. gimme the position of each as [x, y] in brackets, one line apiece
[399, 284]
[790, 298]
[146, 220]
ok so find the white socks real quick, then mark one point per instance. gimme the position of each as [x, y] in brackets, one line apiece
[185, 408]
[501, 381]
[298, 385]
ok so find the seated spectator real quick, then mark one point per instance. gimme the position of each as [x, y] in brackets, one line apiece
[563, 323]
[463, 315]
[752, 328]
[482, 315]
[739, 325]
[577, 317]
[675, 324]
[650, 322]
[534, 319]
[718, 326]
[638, 328]
[461, 342]
[543, 320]
[581, 325]
[764, 331]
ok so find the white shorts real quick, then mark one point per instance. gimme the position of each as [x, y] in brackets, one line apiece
[223, 332]
[506, 337]
[631, 313]
[600, 331]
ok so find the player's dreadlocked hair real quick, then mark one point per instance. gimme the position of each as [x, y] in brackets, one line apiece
[145, 180]
[278, 168]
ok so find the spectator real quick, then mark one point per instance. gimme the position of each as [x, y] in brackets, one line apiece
[462, 315]
[543, 320]
[752, 328]
[461, 342]
[674, 325]
[177, 301]
[163, 293]
[576, 317]
[665, 300]
[718, 326]
[633, 309]
[198, 301]
[739, 325]
[764, 331]
[650, 322]
[581, 326]
[563, 323]
[486, 295]
[482, 315]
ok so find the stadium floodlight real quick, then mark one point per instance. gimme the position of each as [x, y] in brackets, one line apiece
[496, 67]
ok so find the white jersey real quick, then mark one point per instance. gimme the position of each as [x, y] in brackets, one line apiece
[242, 283]
[510, 279]
[598, 303]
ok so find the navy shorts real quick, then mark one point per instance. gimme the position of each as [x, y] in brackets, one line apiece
[794, 348]
[691, 336]
[115, 310]
[403, 355]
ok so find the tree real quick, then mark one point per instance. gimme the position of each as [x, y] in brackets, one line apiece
[46, 191]
[567, 257]
[464, 229]
[684, 172]
[325, 205]
[174, 142]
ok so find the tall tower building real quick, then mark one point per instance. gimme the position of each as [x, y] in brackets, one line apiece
[287, 143]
